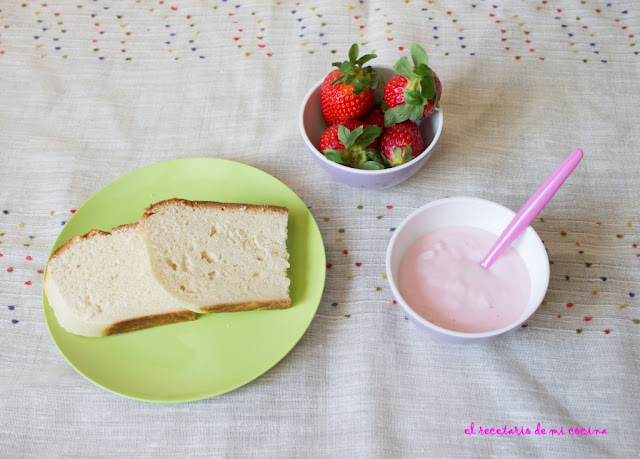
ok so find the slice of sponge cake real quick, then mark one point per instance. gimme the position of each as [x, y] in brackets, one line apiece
[101, 284]
[219, 257]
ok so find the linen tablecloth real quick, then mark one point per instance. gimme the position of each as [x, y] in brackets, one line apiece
[92, 90]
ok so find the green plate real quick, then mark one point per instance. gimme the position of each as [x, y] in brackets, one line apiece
[217, 352]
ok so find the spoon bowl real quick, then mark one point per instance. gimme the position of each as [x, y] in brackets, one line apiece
[477, 213]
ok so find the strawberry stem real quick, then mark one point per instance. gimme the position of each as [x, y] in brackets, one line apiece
[356, 152]
[421, 88]
[354, 73]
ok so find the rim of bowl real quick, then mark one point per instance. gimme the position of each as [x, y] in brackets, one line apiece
[452, 333]
[389, 170]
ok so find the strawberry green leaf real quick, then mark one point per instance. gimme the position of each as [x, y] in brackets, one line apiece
[359, 86]
[423, 71]
[397, 156]
[416, 112]
[371, 165]
[370, 134]
[419, 55]
[338, 80]
[355, 134]
[374, 80]
[346, 67]
[374, 155]
[334, 155]
[353, 52]
[428, 88]
[403, 67]
[348, 79]
[413, 97]
[348, 138]
[397, 114]
[343, 134]
[366, 58]
[407, 153]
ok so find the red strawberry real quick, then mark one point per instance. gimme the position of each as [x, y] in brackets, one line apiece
[414, 93]
[348, 91]
[375, 117]
[401, 142]
[395, 88]
[330, 140]
[352, 143]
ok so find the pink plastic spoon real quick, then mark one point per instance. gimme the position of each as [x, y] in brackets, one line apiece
[532, 207]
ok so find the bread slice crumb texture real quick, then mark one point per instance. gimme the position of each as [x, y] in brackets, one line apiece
[219, 256]
[101, 283]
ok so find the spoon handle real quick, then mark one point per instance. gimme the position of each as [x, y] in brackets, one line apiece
[532, 207]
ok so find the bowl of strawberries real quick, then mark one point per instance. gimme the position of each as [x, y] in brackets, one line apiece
[373, 127]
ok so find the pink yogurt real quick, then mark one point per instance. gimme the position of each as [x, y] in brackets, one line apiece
[441, 279]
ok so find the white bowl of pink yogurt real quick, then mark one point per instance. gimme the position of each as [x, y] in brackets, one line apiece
[433, 268]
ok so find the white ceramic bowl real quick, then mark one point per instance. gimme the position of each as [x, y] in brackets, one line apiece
[478, 213]
[312, 126]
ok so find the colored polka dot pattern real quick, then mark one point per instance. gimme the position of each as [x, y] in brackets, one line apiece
[23, 256]
[105, 29]
[596, 295]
